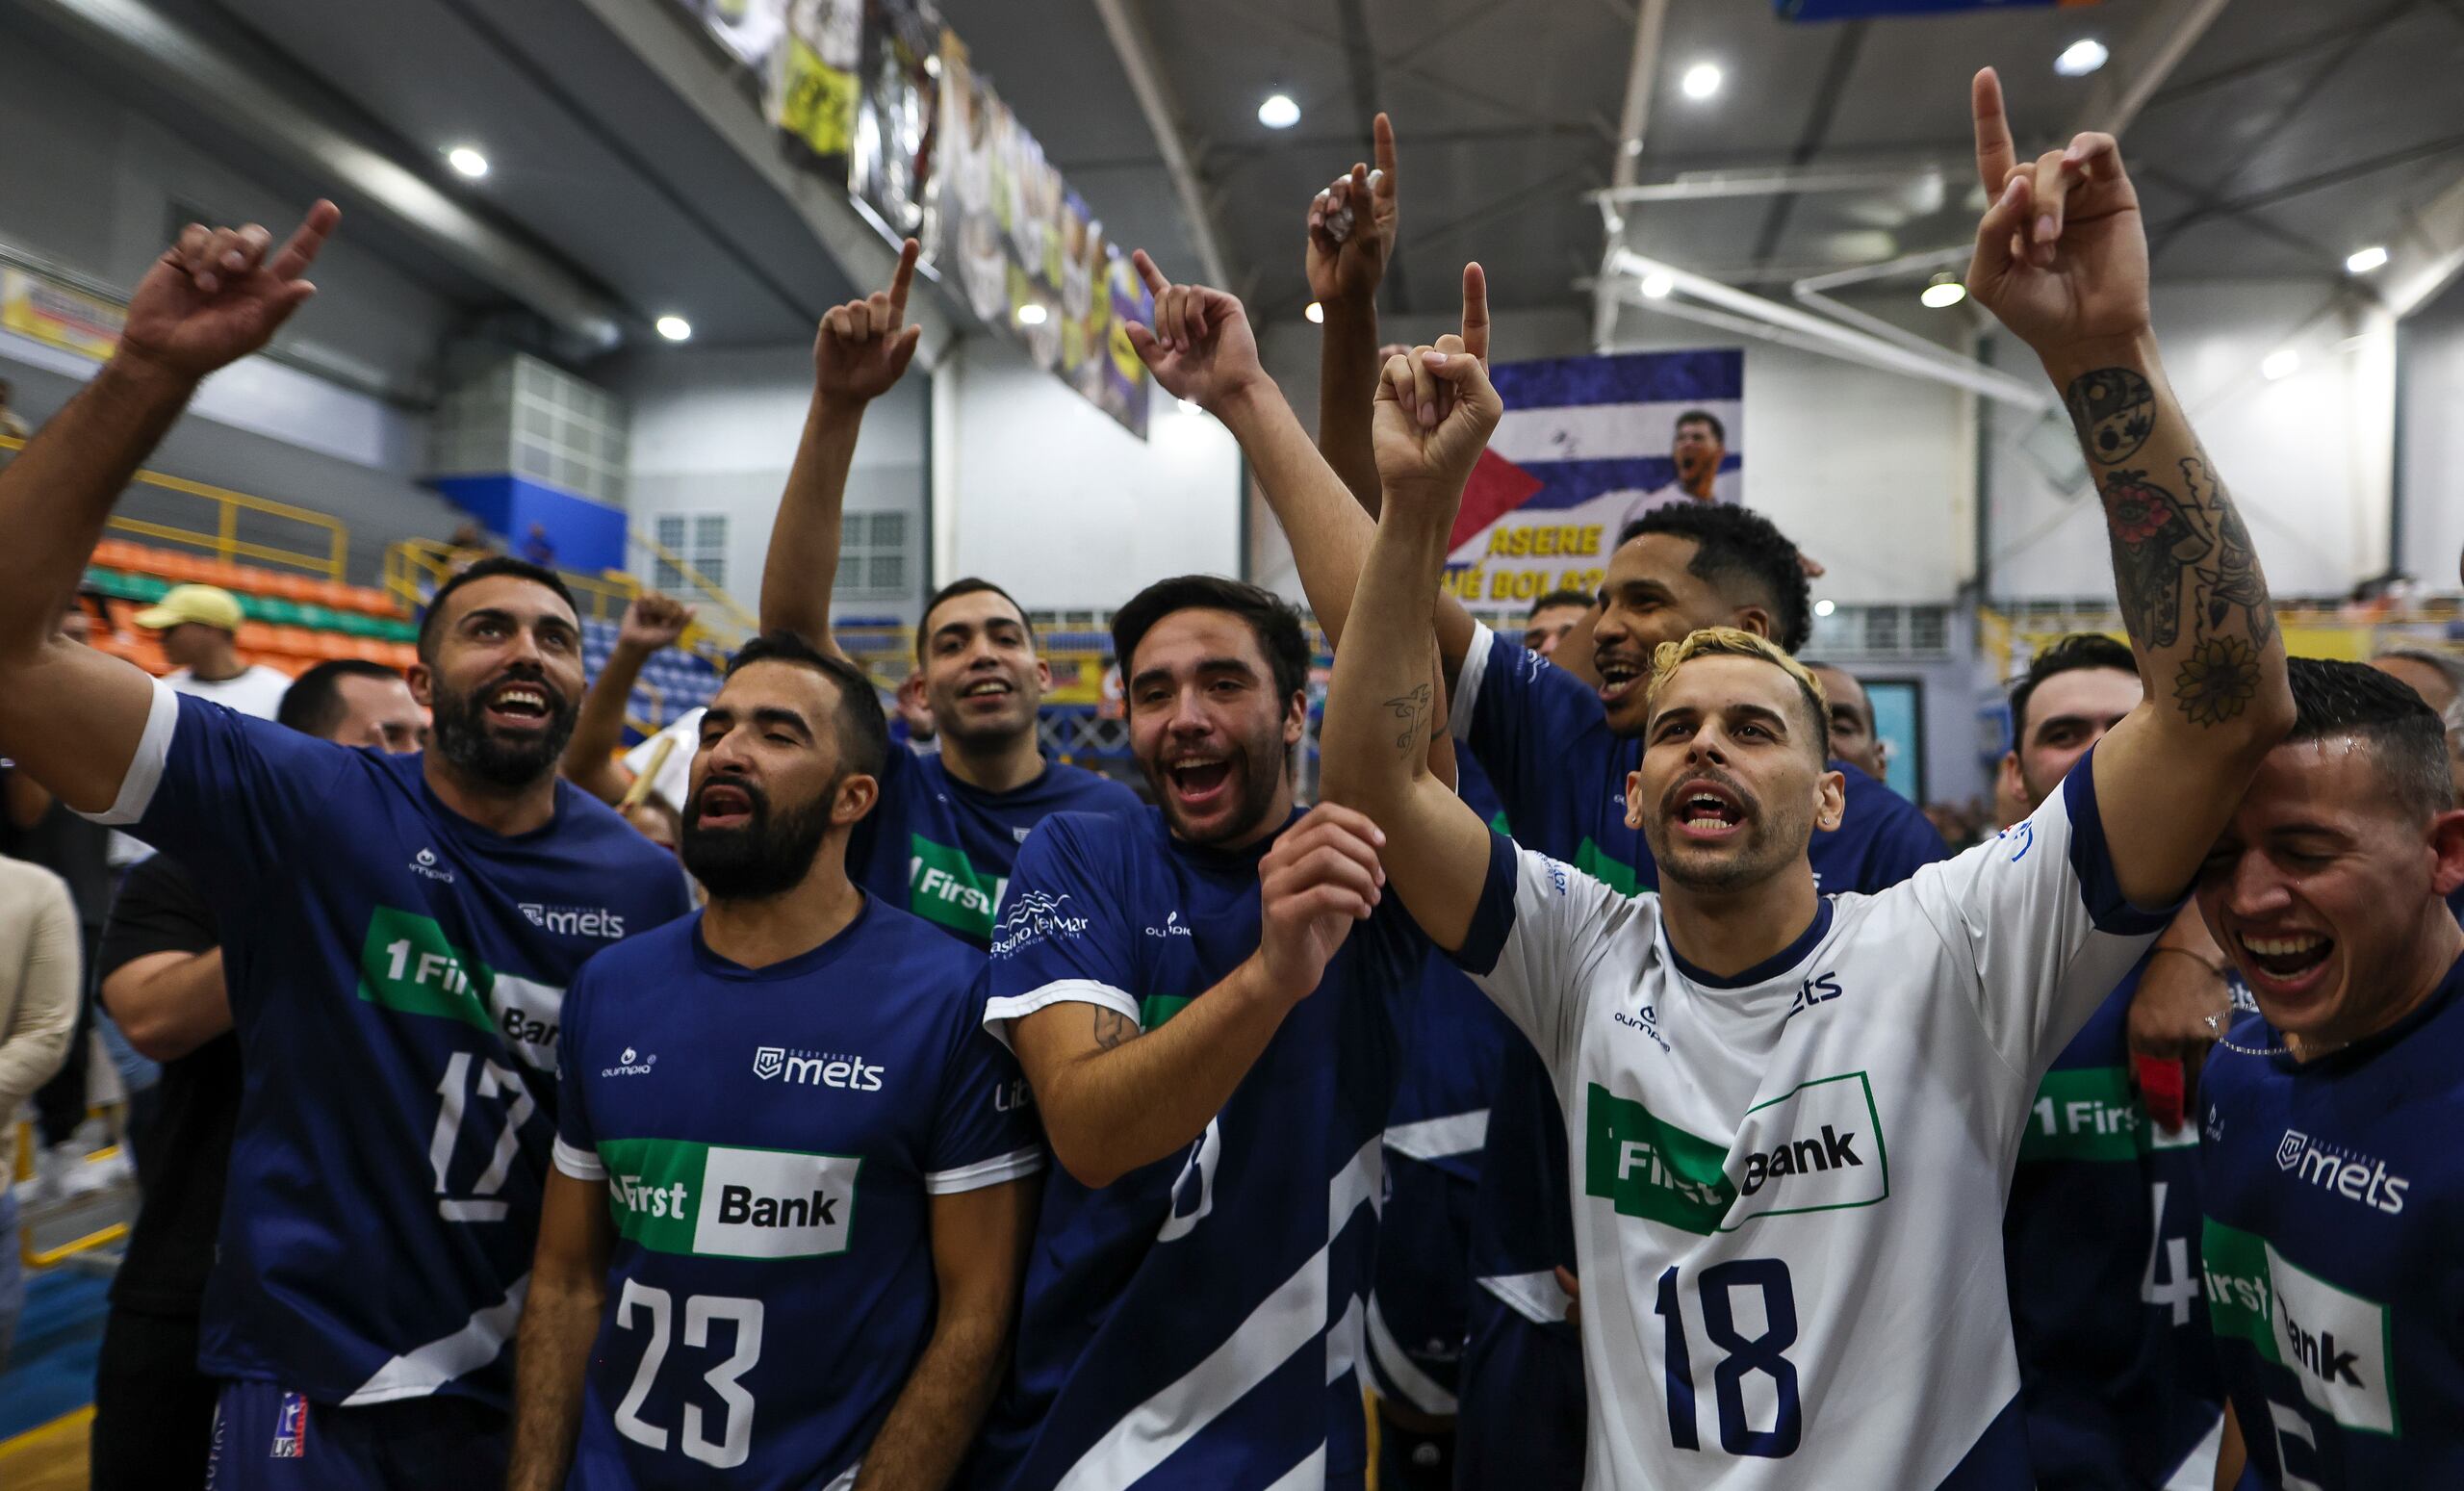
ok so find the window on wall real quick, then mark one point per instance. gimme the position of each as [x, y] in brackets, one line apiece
[698, 539]
[873, 561]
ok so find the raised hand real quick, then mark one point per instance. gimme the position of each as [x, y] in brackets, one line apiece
[864, 347]
[1200, 346]
[652, 621]
[2062, 252]
[1352, 226]
[215, 296]
[1436, 408]
[1322, 876]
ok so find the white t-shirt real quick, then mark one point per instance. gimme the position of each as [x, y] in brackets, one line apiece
[1726, 491]
[674, 777]
[255, 689]
[1789, 1186]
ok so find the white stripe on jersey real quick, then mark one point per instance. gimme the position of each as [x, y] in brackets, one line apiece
[986, 1172]
[1411, 1384]
[1537, 1298]
[1310, 1474]
[1434, 1139]
[420, 1371]
[1287, 1321]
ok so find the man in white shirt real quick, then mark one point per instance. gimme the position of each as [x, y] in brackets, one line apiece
[201, 627]
[1794, 1116]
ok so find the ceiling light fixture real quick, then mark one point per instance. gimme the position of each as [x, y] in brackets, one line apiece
[2081, 57]
[676, 328]
[2361, 261]
[1700, 80]
[1942, 292]
[1031, 314]
[1824, 607]
[1316, 313]
[467, 161]
[2282, 363]
[1278, 112]
[1656, 287]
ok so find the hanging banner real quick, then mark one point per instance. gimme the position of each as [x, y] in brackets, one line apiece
[892, 160]
[42, 308]
[1588, 445]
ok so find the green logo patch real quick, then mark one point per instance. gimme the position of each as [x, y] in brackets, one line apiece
[1651, 1168]
[409, 964]
[2339, 1346]
[944, 887]
[1597, 862]
[678, 1197]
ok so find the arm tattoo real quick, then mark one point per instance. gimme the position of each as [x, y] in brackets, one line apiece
[1411, 710]
[2154, 541]
[1114, 1028]
[2113, 410]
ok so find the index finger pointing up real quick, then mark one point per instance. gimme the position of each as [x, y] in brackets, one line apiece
[903, 278]
[1994, 153]
[1156, 283]
[1476, 310]
[300, 251]
[1382, 146]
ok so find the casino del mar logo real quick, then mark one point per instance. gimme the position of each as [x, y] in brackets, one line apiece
[1032, 916]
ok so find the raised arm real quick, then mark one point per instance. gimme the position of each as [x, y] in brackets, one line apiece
[2062, 258]
[1435, 411]
[652, 622]
[979, 1254]
[1351, 236]
[559, 1320]
[860, 351]
[71, 716]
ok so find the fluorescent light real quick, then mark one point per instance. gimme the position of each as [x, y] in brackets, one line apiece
[1278, 112]
[1191, 406]
[1031, 314]
[1656, 286]
[1942, 292]
[1316, 313]
[2081, 57]
[2282, 363]
[676, 328]
[1700, 80]
[2361, 261]
[469, 162]
[1824, 607]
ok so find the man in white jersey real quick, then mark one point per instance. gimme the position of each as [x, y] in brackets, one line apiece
[1794, 1116]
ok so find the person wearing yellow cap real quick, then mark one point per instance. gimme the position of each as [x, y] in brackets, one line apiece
[201, 627]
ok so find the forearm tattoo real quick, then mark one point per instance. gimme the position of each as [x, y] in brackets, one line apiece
[1411, 712]
[1114, 1028]
[2180, 553]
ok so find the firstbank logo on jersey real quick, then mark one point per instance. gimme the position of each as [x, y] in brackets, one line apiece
[817, 1068]
[2340, 1171]
[674, 1196]
[1816, 1148]
[2334, 1342]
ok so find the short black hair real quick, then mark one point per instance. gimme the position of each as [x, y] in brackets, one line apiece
[2334, 698]
[1736, 544]
[969, 586]
[489, 567]
[1814, 665]
[1719, 431]
[864, 730]
[2080, 650]
[313, 704]
[1276, 623]
[1574, 597]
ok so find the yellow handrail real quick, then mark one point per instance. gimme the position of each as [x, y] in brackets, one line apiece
[411, 560]
[44, 1258]
[224, 541]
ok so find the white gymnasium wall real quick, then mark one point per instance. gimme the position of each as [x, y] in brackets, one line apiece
[2430, 453]
[715, 431]
[1038, 490]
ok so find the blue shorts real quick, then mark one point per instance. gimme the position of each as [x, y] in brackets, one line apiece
[1520, 1422]
[267, 1439]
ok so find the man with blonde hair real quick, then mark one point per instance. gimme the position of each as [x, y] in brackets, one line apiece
[1789, 1112]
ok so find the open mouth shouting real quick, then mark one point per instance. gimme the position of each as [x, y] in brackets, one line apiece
[723, 805]
[2285, 966]
[1706, 811]
[521, 705]
[1620, 672]
[1199, 785]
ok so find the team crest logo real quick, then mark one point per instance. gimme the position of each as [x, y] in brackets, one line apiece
[290, 1428]
[2288, 1153]
[769, 1060]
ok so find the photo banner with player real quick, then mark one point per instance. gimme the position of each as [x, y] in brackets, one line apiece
[1588, 445]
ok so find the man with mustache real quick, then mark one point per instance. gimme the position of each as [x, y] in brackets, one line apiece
[792, 1171]
[1211, 1042]
[1792, 1109]
[398, 930]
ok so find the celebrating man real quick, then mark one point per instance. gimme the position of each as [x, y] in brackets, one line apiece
[1793, 1109]
[398, 929]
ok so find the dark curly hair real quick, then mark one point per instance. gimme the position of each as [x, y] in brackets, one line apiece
[1739, 550]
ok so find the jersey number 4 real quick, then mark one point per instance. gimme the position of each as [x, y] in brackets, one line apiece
[1745, 1357]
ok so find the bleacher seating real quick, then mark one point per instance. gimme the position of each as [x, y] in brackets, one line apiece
[292, 621]
[673, 680]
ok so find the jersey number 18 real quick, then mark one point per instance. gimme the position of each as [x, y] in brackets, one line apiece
[1745, 1357]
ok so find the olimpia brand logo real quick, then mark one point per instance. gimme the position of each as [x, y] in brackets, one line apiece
[709, 1200]
[2339, 1346]
[1819, 1147]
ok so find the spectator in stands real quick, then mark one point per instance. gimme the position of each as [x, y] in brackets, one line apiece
[1852, 722]
[538, 548]
[161, 976]
[39, 970]
[653, 622]
[201, 627]
[12, 423]
[470, 538]
[1552, 617]
[2437, 676]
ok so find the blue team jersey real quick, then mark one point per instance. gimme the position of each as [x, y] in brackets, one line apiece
[2334, 1279]
[1196, 1322]
[2100, 1241]
[942, 850]
[1542, 737]
[396, 974]
[772, 1140]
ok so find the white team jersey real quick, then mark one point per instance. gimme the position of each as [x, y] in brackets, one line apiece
[1788, 1185]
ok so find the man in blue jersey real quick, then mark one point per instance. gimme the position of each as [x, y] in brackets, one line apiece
[2326, 1161]
[1211, 1042]
[783, 1243]
[2100, 1236]
[946, 831]
[398, 932]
